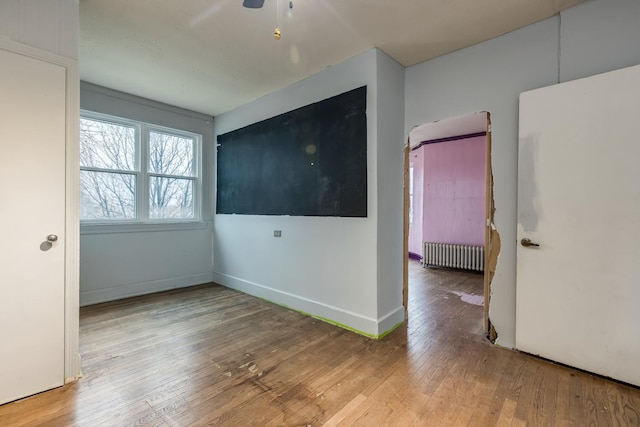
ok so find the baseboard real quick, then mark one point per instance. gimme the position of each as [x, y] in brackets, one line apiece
[141, 288]
[391, 321]
[343, 318]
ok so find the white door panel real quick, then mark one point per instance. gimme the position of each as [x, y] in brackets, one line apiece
[32, 199]
[578, 293]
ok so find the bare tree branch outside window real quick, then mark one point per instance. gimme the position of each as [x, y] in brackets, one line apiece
[109, 162]
[107, 192]
[170, 157]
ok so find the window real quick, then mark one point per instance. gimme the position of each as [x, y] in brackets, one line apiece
[136, 172]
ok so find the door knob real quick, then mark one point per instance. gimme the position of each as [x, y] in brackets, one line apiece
[527, 243]
[52, 238]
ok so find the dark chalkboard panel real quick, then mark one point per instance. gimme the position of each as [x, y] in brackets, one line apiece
[310, 161]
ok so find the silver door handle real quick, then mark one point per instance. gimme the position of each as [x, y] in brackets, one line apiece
[52, 238]
[527, 243]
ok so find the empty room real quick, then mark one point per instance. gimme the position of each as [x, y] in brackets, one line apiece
[221, 207]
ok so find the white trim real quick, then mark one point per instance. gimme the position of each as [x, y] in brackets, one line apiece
[391, 319]
[138, 227]
[73, 368]
[141, 288]
[72, 215]
[337, 315]
[114, 171]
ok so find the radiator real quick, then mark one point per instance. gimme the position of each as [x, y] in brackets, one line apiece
[464, 257]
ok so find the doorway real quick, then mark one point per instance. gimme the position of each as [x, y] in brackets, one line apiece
[449, 204]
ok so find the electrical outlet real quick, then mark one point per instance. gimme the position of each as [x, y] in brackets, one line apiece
[277, 233]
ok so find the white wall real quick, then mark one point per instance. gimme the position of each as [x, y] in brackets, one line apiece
[133, 262]
[50, 25]
[594, 37]
[599, 36]
[390, 170]
[326, 266]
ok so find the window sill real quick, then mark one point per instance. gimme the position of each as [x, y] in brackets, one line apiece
[103, 228]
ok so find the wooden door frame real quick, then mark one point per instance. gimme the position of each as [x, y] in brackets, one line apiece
[405, 240]
[491, 236]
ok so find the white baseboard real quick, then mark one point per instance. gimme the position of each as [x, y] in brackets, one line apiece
[388, 322]
[349, 320]
[95, 296]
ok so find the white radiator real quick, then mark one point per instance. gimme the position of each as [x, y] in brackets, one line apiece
[464, 257]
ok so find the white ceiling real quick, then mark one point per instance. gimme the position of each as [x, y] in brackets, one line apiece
[454, 126]
[214, 55]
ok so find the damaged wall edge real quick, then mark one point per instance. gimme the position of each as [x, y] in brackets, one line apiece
[494, 252]
[491, 239]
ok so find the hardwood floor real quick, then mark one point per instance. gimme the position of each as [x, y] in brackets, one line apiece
[208, 355]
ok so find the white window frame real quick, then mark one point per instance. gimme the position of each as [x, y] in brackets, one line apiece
[142, 222]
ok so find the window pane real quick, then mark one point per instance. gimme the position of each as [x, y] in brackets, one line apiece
[170, 154]
[107, 145]
[170, 198]
[107, 196]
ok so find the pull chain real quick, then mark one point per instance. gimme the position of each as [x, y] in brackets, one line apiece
[276, 32]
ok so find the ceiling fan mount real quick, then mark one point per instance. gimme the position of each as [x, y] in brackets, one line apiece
[253, 4]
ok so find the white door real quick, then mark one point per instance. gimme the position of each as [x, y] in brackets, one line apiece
[578, 293]
[32, 207]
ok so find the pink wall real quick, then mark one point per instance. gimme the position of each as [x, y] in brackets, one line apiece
[454, 191]
[448, 193]
[416, 164]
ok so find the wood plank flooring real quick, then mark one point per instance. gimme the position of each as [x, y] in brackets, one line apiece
[208, 355]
